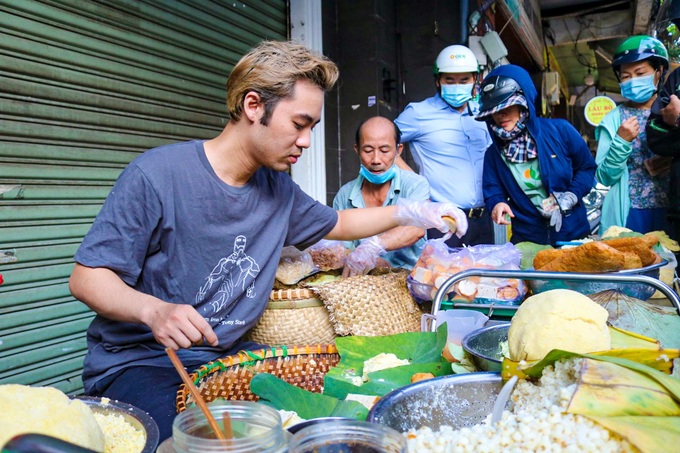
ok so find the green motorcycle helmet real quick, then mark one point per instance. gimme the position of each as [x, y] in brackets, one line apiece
[639, 48]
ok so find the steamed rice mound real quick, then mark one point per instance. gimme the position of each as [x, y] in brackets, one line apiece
[47, 410]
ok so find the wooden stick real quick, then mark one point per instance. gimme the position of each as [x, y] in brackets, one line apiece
[226, 421]
[195, 393]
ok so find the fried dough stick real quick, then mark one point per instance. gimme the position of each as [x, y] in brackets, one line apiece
[543, 257]
[641, 246]
[589, 257]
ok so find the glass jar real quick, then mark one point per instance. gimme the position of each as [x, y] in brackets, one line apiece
[256, 428]
[347, 436]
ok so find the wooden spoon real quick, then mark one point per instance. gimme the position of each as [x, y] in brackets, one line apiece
[196, 395]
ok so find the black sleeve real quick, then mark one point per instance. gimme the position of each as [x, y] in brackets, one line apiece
[663, 139]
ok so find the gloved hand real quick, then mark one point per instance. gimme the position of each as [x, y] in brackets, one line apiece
[426, 214]
[566, 200]
[363, 258]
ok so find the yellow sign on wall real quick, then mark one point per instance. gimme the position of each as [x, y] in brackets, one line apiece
[597, 108]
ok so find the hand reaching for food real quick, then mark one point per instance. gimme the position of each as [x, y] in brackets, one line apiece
[426, 214]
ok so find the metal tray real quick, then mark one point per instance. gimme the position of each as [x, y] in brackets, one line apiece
[636, 290]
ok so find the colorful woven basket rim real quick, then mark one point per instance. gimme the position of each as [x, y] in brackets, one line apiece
[249, 358]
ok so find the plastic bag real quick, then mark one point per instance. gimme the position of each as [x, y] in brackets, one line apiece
[437, 263]
[294, 265]
[328, 255]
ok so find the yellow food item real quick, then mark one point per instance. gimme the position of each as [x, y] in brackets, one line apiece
[450, 223]
[421, 377]
[47, 410]
[289, 418]
[381, 362]
[119, 435]
[614, 231]
[558, 319]
[368, 401]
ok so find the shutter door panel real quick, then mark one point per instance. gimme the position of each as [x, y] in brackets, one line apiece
[85, 87]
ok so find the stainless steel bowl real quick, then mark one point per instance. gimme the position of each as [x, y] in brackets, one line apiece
[459, 401]
[639, 291]
[131, 414]
[484, 345]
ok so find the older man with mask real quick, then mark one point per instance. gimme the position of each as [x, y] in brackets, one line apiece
[448, 145]
[382, 183]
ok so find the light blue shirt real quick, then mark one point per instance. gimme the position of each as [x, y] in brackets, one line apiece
[405, 184]
[448, 148]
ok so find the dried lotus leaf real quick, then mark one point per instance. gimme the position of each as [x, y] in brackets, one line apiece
[644, 318]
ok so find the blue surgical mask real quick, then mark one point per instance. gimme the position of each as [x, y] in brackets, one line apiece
[457, 94]
[638, 89]
[380, 178]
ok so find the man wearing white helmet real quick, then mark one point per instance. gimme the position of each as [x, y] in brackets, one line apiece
[447, 143]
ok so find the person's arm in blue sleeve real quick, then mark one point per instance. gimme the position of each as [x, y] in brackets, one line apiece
[407, 122]
[612, 155]
[495, 197]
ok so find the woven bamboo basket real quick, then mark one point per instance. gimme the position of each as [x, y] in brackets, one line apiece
[229, 377]
[293, 316]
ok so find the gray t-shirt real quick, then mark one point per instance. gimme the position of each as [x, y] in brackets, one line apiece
[171, 228]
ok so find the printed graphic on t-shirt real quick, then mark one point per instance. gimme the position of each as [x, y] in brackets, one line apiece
[231, 274]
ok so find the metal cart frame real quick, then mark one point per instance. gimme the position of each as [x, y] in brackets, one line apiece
[539, 275]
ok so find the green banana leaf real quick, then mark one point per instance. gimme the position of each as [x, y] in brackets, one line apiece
[610, 390]
[281, 395]
[648, 434]
[671, 384]
[422, 349]
[528, 251]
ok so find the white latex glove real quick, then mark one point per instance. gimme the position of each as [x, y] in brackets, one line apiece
[363, 258]
[426, 214]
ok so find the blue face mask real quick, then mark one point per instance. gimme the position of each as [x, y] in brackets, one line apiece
[638, 89]
[458, 94]
[380, 178]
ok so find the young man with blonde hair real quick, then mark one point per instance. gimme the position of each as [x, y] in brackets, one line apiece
[184, 251]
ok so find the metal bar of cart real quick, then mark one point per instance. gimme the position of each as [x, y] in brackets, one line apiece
[539, 275]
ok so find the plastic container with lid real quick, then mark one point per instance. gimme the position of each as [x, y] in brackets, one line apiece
[347, 436]
[256, 428]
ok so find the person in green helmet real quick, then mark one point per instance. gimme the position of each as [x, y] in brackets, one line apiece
[638, 195]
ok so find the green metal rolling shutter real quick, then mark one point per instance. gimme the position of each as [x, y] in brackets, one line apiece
[85, 86]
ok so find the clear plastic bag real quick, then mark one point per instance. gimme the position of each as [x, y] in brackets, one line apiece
[294, 265]
[328, 255]
[438, 262]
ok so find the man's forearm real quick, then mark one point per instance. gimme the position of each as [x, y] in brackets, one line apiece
[400, 237]
[107, 295]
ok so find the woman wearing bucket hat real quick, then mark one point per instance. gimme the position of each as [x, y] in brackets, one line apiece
[537, 169]
[639, 182]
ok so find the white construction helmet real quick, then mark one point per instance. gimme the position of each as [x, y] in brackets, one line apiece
[456, 59]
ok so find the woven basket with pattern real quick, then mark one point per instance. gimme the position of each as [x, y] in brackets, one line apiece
[293, 316]
[229, 377]
[371, 304]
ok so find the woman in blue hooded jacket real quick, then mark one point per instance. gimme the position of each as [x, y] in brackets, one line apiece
[537, 169]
